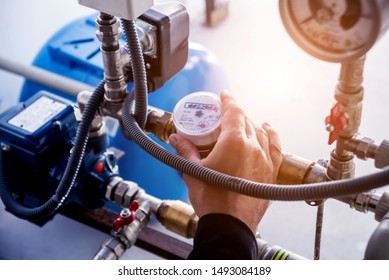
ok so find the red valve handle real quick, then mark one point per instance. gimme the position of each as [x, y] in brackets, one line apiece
[126, 216]
[336, 122]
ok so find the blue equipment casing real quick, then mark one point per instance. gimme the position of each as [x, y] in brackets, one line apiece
[28, 128]
[74, 52]
[37, 136]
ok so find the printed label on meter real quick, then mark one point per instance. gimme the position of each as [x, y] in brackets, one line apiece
[197, 117]
[37, 114]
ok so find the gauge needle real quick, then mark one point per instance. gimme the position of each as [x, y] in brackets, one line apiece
[316, 6]
[307, 19]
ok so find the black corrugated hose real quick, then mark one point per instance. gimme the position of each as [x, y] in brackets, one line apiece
[138, 71]
[267, 191]
[71, 171]
[315, 191]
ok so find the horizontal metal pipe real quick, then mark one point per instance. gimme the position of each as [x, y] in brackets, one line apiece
[44, 77]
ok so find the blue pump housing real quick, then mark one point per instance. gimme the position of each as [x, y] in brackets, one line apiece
[74, 52]
[31, 135]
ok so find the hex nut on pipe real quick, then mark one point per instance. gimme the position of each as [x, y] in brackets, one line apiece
[362, 148]
[109, 193]
[120, 192]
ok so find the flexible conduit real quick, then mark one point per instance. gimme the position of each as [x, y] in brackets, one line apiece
[70, 174]
[138, 71]
[261, 190]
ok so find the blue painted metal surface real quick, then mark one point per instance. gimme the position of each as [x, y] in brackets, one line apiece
[74, 52]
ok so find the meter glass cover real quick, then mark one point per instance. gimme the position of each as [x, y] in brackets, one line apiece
[198, 113]
[333, 29]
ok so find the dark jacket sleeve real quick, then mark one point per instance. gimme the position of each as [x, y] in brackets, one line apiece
[223, 237]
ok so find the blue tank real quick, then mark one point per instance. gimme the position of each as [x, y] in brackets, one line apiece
[74, 52]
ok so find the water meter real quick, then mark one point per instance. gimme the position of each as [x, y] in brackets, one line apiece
[197, 117]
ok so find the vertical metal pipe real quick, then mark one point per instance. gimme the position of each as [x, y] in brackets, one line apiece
[349, 95]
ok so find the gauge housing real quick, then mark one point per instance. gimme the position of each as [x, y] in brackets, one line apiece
[335, 31]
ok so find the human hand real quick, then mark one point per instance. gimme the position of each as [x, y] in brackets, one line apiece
[243, 150]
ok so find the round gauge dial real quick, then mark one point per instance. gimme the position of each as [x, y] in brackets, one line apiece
[334, 30]
[198, 116]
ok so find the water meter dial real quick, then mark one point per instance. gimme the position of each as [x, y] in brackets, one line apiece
[197, 117]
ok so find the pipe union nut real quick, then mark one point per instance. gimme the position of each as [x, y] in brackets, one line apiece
[109, 29]
[362, 147]
[109, 193]
[120, 192]
[108, 40]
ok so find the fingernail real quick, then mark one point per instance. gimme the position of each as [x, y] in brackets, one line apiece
[225, 93]
[266, 124]
[172, 139]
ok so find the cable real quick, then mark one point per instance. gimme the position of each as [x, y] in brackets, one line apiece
[70, 173]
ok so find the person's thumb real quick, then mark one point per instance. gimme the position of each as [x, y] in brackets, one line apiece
[184, 147]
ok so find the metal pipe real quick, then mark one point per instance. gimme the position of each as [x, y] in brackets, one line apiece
[125, 237]
[155, 203]
[266, 251]
[175, 215]
[109, 33]
[318, 231]
[44, 77]
[349, 95]
[297, 170]
[365, 148]
[362, 202]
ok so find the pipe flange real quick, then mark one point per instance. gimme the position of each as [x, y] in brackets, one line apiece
[382, 207]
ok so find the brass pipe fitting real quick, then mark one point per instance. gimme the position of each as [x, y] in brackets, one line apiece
[178, 217]
[159, 123]
[297, 170]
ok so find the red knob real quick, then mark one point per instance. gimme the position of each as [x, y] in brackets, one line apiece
[99, 167]
[335, 122]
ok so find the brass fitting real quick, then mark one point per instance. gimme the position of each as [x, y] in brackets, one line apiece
[178, 217]
[159, 123]
[293, 169]
[297, 170]
[341, 167]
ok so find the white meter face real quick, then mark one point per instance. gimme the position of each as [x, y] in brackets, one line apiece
[198, 116]
[333, 30]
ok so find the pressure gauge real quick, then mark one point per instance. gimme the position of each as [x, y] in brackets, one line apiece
[335, 30]
[197, 117]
